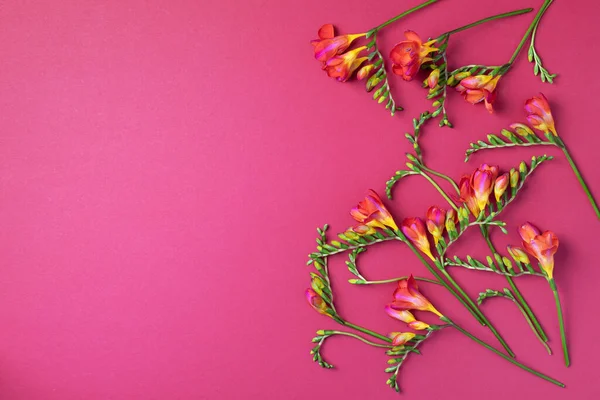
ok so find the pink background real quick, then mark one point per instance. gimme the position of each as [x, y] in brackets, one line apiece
[163, 167]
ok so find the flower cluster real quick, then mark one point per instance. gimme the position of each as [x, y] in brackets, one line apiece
[476, 189]
[332, 51]
[370, 214]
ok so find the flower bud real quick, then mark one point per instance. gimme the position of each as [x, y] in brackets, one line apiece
[522, 130]
[433, 78]
[518, 254]
[364, 71]
[500, 186]
[514, 178]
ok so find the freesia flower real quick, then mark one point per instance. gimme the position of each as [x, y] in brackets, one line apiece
[479, 88]
[436, 220]
[467, 195]
[539, 114]
[406, 317]
[400, 338]
[451, 219]
[482, 183]
[342, 67]
[541, 246]
[371, 212]
[518, 254]
[414, 229]
[408, 297]
[317, 302]
[407, 56]
[328, 45]
[501, 185]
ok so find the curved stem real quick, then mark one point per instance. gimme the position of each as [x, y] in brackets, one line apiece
[392, 280]
[483, 21]
[581, 181]
[387, 346]
[521, 300]
[439, 174]
[404, 14]
[487, 346]
[532, 26]
[563, 335]
[367, 331]
[532, 326]
[439, 189]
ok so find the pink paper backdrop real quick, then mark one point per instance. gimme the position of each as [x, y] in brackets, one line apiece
[163, 167]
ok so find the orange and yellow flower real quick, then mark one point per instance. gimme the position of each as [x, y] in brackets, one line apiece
[467, 196]
[328, 45]
[539, 114]
[342, 67]
[400, 338]
[406, 317]
[365, 71]
[436, 222]
[408, 56]
[479, 88]
[414, 229]
[542, 246]
[501, 185]
[372, 213]
[407, 297]
[482, 183]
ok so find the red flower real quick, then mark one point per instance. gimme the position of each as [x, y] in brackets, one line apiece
[329, 45]
[414, 229]
[539, 114]
[372, 212]
[479, 88]
[542, 246]
[408, 297]
[343, 66]
[407, 56]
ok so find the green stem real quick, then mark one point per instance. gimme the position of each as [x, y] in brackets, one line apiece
[487, 346]
[483, 21]
[532, 26]
[483, 317]
[358, 337]
[399, 279]
[439, 174]
[404, 14]
[439, 189]
[581, 181]
[563, 335]
[532, 326]
[538, 328]
[367, 331]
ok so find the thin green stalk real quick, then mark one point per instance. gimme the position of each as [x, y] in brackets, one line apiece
[487, 346]
[538, 327]
[581, 181]
[439, 189]
[439, 174]
[532, 326]
[532, 26]
[483, 317]
[367, 331]
[359, 338]
[482, 21]
[563, 335]
[404, 14]
[392, 280]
